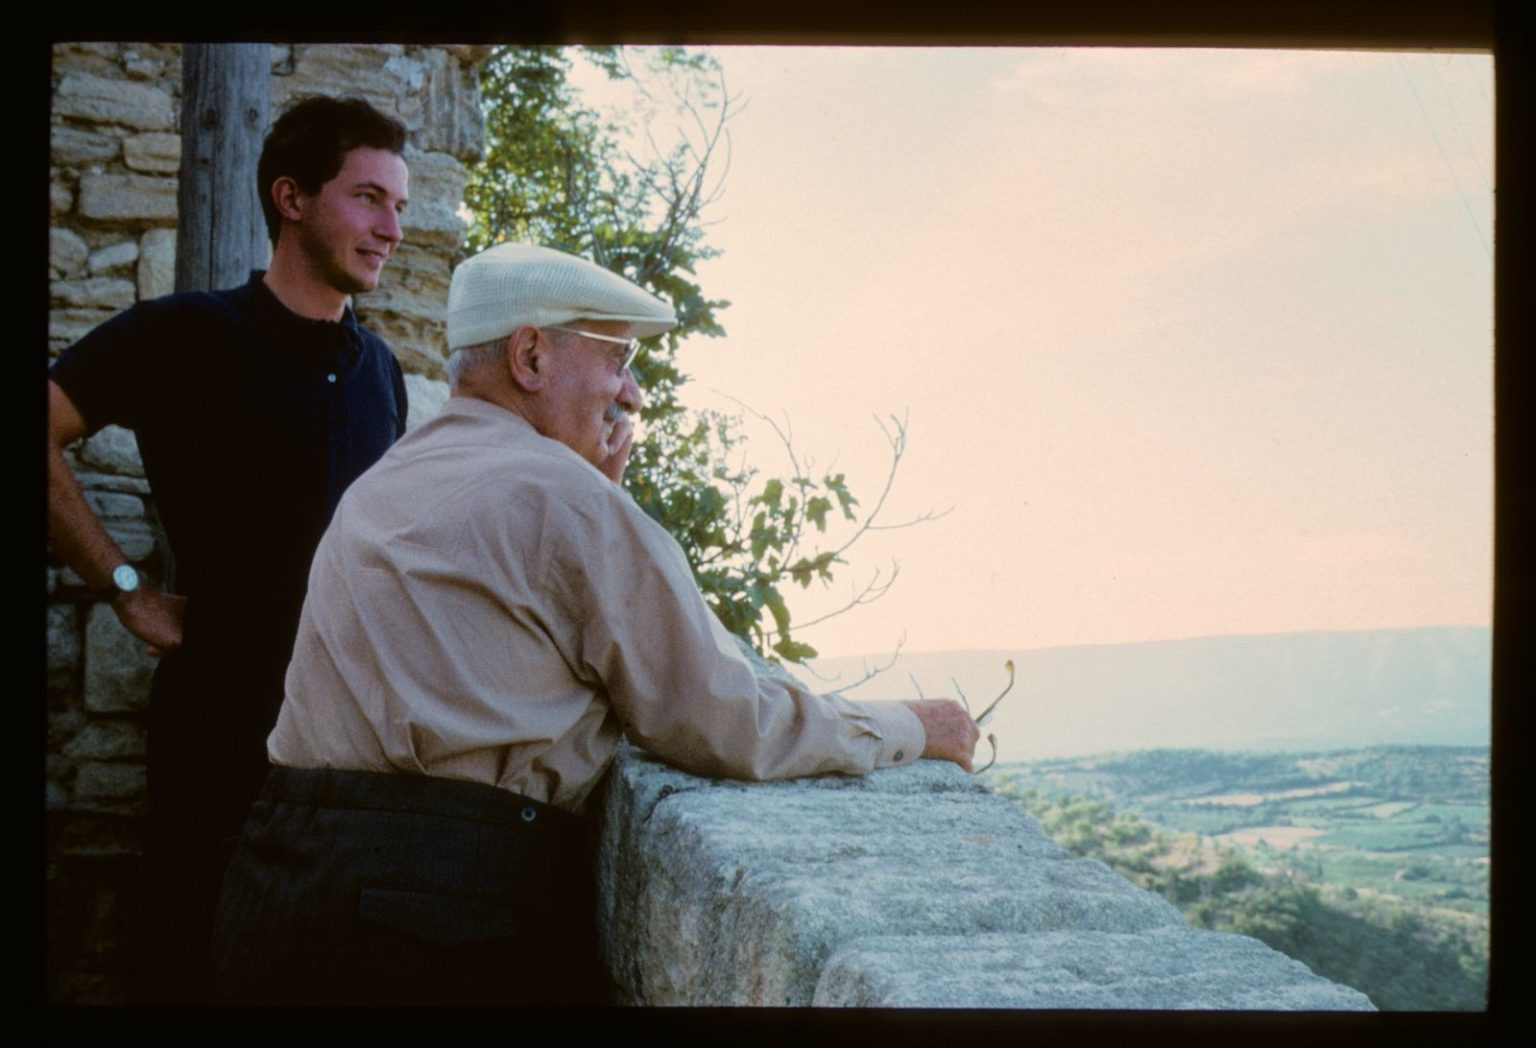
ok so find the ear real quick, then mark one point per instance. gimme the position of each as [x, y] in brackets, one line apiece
[287, 195]
[526, 360]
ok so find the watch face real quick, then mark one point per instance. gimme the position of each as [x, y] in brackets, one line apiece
[125, 578]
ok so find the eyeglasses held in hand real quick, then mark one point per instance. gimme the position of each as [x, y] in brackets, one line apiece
[986, 714]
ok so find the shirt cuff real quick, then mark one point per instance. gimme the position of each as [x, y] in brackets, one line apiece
[902, 737]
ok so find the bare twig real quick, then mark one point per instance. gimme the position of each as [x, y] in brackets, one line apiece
[869, 674]
[872, 591]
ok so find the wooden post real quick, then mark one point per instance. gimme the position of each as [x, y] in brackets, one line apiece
[225, 102]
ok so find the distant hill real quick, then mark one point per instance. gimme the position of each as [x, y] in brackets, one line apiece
[1297, 691]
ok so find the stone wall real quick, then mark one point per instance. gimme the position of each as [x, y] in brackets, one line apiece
[114, 154]
[914, 887]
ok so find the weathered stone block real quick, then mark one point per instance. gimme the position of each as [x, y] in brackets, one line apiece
[66, 719]
[63, 646]
[413, 340]
[151, 61]
[319, 68]
[469, 55]
[93, 481]
[123, 516]
[450, 103]
[114, 256]
[1158, 970]
[425, 397]
[96, 57]
[437, 186]
[100, 836]
[415, 282]
[408, 70]
[118, 666]
[134, 537]
[155, 51]
[114, 101]
[67, 252]
[120, 197]
[112, 449]
[158, 152]
[157, 263]
[108, 741]
[61, 199]
[115, 505]
[407, 309]
[56, 766]
[77, 147]
[110, 293]
[68, 325]
[96, 780]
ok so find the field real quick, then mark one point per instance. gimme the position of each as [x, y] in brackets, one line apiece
[1369, 865]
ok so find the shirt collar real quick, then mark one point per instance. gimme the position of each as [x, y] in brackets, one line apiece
[474, 407]
[273, 307]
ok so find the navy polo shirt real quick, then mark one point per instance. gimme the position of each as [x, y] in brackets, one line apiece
[251, 422]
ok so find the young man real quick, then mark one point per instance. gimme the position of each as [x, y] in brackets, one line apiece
[254, 408]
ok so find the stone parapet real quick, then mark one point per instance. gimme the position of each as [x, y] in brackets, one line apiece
[911, 887]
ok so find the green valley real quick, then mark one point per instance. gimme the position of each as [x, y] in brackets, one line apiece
[1368, 865]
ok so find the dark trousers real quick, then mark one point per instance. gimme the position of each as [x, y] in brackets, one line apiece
[206, 763]
[367, 888]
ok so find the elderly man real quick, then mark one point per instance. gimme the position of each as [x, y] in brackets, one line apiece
[487, 614]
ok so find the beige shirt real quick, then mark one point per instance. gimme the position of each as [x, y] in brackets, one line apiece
[487, 606]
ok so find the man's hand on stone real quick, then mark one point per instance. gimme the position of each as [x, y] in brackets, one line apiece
[951, 734]
[154, 617]
[618, 442]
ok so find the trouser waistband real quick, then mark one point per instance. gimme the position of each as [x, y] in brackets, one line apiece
[423, 794]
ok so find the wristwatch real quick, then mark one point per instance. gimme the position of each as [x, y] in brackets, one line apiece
[125, 579]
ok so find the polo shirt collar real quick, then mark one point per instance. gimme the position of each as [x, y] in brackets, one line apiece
[273, 307]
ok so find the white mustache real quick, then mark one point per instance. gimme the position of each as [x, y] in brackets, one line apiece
[612, 413]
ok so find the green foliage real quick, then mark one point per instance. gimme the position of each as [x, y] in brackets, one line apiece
[557, 172]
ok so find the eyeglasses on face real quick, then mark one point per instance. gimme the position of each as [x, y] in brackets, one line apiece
[631, 345]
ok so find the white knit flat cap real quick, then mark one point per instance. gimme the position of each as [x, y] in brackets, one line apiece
[510, 285]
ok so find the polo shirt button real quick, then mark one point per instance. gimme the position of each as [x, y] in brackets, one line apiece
[330, 378]
[529, 814]
[900, 754]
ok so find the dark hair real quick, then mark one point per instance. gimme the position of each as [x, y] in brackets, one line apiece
[311, 140]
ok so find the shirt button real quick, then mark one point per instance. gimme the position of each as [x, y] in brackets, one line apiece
[900, 754]
[529, 814]
[330, 378]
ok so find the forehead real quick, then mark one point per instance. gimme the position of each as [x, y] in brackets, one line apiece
[366, 165]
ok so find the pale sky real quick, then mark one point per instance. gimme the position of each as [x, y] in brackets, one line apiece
[1192, 342]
